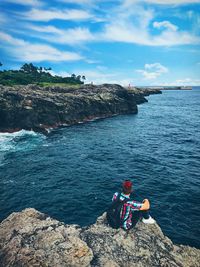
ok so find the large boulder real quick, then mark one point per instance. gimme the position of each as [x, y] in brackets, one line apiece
[30, 238]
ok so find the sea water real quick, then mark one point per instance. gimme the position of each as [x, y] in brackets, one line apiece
[73, 172]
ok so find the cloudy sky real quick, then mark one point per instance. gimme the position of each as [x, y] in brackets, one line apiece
[141, 42]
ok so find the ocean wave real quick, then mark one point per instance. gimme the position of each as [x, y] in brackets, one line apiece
[18, 141]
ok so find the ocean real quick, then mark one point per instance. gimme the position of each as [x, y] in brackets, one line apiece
[72, 173]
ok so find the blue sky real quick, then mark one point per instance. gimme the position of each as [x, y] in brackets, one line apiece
[137, 42]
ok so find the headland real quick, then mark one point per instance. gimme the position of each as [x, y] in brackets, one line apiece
[36, 108]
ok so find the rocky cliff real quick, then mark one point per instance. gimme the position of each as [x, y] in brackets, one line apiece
[38, 108]
[30, 238]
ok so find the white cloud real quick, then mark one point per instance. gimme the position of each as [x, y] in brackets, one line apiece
[153, 71]
[165, 24]
[162, 2]
[4, 37]
[41, 52]
[128, 26]
[123, 32]
[60, 73]
[120, 31]
[156, 66]
[44, 29]
[79, 2]
[70, 36]
[97, 76]
[51, 14]
[90, 3]
[172, 2]
[25, 2]
[132, 25]
[100, 76]
[92, 61]
[171, 38]
[25, 51]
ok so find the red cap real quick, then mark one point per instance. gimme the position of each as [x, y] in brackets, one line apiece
[127, 184]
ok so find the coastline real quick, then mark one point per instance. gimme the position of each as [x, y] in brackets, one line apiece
[179, 249]
[41, 109]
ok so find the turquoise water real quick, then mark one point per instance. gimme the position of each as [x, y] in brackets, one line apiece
[72, 173]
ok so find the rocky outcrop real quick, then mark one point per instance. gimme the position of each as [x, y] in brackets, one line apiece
[37, 108]
[30, 238]
[140, 93]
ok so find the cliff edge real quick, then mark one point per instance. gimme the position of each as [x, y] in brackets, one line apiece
[30, 238]
[38, 108]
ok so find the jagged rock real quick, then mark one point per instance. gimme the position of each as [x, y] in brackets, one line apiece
[30, 238]
[37, 108]
[144, 245]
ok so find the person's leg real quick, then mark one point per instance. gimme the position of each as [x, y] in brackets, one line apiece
[144, 215]
[135, 217]
[146, 218]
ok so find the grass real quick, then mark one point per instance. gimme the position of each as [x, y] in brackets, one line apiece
[63, 85]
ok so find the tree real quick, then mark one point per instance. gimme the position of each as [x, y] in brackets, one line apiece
[29, 68]
[73, 76]
[29, 74]
[78, 77]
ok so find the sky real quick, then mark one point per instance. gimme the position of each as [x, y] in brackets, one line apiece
[136, 42]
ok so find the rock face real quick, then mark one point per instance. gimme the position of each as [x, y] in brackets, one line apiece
[37, 108]
[30, 238]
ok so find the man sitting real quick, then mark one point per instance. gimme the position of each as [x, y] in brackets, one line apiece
[131, 210]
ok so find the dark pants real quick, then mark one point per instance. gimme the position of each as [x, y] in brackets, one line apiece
[139, 214]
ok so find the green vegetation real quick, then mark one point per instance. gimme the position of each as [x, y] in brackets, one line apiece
[30, 74]
[63, 85]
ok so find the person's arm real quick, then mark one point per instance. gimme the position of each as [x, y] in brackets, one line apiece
[145, 205]
[115, 196]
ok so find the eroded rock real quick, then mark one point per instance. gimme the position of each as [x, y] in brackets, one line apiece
[36, 108]
[30, 238]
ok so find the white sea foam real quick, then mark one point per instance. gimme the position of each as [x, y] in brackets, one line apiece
[7, 138]
[22, 140]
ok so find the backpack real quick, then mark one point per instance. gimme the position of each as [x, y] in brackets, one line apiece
[113, 212]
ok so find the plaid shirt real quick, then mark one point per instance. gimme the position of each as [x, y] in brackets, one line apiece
[127, 211]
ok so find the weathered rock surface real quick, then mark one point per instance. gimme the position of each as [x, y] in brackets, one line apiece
[37, 108]
[30, 238]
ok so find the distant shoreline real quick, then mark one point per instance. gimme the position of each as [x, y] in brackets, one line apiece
[181, 88]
